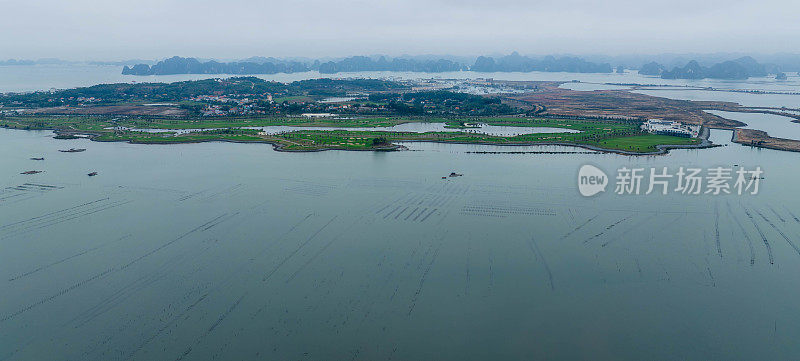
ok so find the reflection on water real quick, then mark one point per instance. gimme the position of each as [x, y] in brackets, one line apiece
[235, 251]
[745, 99]
[775, 125]
[405, 127]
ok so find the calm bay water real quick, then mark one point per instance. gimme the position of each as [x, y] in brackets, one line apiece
[775, 125]
[235, 251]
[414, 127]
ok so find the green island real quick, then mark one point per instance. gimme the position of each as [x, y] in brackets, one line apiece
[604, 135]
[238, 109]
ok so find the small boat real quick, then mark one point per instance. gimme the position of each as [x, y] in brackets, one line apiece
[32, 172]
[72, 150]
[92, 174]
[454, 174]
[37, 158]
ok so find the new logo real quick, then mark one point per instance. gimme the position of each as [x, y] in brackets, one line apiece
[591, 180]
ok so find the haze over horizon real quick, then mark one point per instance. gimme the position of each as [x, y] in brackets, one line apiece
[150, 29]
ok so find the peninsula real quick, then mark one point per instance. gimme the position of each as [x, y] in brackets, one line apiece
[362, 114]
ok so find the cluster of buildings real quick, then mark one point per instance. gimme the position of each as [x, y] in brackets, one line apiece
[212, 110]
[226, 99]
[431, 85]
[219, 105]
[87, 99]
[354, 108]
[81, 100]
[478, 86]
[669, 127]
[242, 109]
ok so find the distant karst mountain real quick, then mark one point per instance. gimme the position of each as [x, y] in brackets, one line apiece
[363, 63]
[741, 68]
[652, 68]
[516, 62]
[12, 62]
[178, 65]
[262, 65]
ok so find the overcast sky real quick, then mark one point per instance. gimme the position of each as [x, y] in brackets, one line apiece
[224, 29]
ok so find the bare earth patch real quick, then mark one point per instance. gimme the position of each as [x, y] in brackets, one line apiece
[619, 104]
[758, 138]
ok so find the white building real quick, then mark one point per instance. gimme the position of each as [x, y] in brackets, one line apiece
[669, 127]
[316, 115]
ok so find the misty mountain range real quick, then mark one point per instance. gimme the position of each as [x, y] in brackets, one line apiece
[741, 68]
[509, 63]
[714, 66]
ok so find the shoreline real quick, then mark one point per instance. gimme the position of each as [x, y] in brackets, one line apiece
[662, 149]
[280, 147]
[761, 139]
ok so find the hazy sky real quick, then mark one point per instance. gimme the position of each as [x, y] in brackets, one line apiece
[84, 29]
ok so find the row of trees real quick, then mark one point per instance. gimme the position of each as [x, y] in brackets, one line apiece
[172, 92]
[443, 103]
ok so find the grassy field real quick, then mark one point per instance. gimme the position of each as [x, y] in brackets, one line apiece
[612, 135]
[645, 143]
[239, 135]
